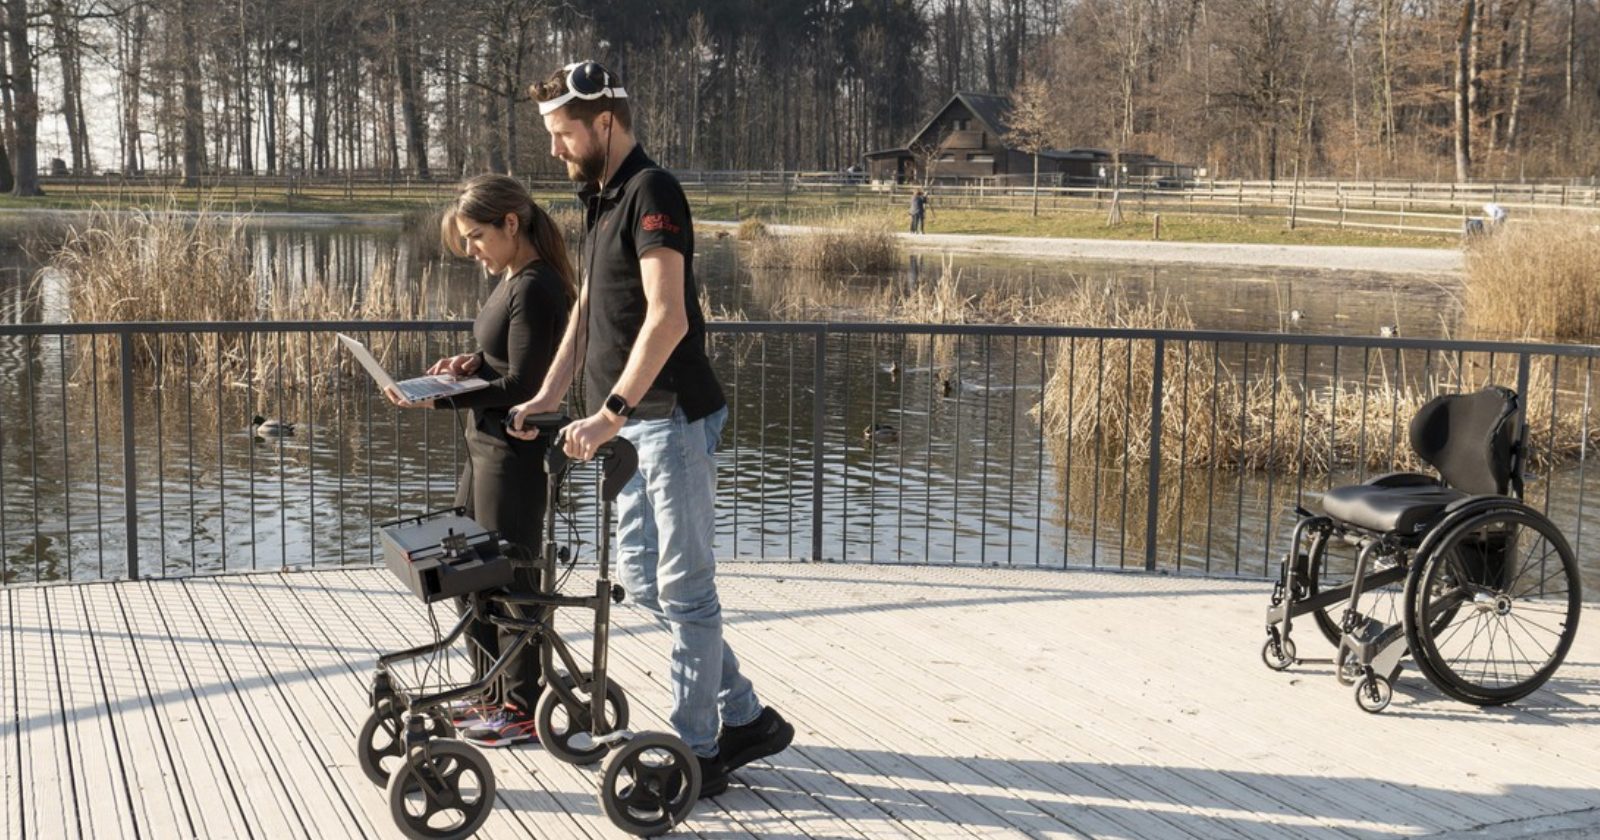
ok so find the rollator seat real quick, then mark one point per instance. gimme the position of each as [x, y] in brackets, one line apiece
[1402, 510]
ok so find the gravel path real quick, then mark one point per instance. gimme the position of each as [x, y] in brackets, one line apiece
[1334, 257]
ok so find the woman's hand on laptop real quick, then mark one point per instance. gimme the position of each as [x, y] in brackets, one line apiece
[393, 394]
[458, 366]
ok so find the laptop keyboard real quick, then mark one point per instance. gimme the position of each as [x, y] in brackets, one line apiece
[415, 391]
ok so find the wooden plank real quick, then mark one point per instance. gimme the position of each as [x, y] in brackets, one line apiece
[292, 714]
[48, 792]
[158, 781]
[220, 799]
[11, 764]
[100, 781]
[334, 613]
[256, 735]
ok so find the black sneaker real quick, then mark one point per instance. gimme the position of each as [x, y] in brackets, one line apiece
[504, 728]
[768, 734]
[713, 777]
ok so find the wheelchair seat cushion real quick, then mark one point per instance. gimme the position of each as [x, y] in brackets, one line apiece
[1402, 510]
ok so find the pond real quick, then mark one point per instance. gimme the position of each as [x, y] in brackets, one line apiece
[969, 476]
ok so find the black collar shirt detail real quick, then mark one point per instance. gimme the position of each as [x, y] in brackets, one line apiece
[518, 329]
[642, 208]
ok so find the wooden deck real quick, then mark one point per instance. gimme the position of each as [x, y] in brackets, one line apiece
[930, 702]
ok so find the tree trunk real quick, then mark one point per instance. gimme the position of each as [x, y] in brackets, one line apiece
[1572, 53]
[26, 104]
[411, 110]
[1036, 182]
[1523, 37]
[66, 45]
[1463, 83]
[247, 146]
[269, 78]
[8, 142]
[194, 137]
[132, 77]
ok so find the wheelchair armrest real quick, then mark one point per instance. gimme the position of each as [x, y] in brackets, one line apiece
[1402, 479]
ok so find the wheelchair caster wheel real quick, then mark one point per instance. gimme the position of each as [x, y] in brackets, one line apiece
[381, 746]
[443, 791]
[1374, 693]
[567, 733]
[1278, 655]
[650, 784]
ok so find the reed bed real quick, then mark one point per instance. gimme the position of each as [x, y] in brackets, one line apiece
[1537, 281]
[865, 248]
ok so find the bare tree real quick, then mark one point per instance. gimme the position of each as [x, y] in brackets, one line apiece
[1033, 127]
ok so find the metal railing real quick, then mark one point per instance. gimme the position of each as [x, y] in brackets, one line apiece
[125, 449]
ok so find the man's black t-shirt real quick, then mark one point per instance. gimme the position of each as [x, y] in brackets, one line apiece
[642, 208]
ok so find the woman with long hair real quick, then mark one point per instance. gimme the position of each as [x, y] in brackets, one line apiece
[503, 485]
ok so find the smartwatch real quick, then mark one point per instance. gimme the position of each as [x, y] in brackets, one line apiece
[618, 406]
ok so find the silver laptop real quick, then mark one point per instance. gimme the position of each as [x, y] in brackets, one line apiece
[416, 389]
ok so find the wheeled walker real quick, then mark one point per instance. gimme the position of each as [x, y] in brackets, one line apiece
[440, 787]
[1479, 588]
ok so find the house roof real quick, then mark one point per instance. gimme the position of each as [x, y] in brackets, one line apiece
[988, 108]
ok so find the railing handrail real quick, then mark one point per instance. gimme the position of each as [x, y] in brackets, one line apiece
[850, 327]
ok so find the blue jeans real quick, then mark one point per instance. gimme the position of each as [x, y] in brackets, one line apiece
[666, 520]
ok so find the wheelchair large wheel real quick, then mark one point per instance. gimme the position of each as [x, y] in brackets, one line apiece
[443, 791]
[567, 733]
[650, 784]
[1492, 611]
[380, 747]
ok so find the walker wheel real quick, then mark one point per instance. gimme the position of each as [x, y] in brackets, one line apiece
[1278, 655]
[568, 733]
[1374, 693]
[650, 784]
[381, 746]
[443, 791]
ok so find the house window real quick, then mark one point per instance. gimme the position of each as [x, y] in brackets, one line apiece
[984, 158]
[947, 158]
[961, 125]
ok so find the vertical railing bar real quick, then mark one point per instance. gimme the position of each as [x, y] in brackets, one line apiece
[761, 449]
[1153, 503]
[130, 467]
[1038, 470]
[1366, 391]
[283, 479]
[372, 457]
[99, 483]
[955, 456]
[1127, 442]
[1583, 453]
[222, 463]
[250, 400]
[66, 448]
[1183, 460]
[988, 421]
[1011, 456]
[790, 341]
[734, 413]
[427, 441]
[1394, 410]
[1275, 362]
[29, 354]
[927, 452]
[1333, 424]
[1550, 442]
[161, 447]
[1244, 435]
[311, 450]
[188, 408]
[900, 452]
[1305, 413]
[1211, 486]
[1522, 394]
[1066, 473]
[872, 450]
[394, 427]
[339, 439]
[1099, 439]
[818, 376]
[844, 450]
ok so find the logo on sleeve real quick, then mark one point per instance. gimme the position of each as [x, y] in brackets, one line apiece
[659, 221]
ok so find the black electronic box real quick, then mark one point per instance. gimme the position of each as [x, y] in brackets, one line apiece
[444, 554]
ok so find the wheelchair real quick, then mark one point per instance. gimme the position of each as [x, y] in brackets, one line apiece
[441, 787]
[1479, 588]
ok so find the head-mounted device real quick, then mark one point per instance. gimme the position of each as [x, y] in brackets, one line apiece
[586, 80]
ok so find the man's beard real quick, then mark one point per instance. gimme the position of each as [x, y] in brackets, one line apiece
[589, 169]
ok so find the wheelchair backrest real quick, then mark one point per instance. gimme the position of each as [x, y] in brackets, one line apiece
[1471, 439]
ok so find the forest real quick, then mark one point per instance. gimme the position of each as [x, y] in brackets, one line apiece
[1420, 89]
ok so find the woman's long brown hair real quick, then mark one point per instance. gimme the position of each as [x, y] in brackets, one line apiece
[488, 199]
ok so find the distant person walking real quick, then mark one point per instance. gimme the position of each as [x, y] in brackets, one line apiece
[919, 211]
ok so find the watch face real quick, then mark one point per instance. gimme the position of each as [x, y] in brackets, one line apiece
[617, 405]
